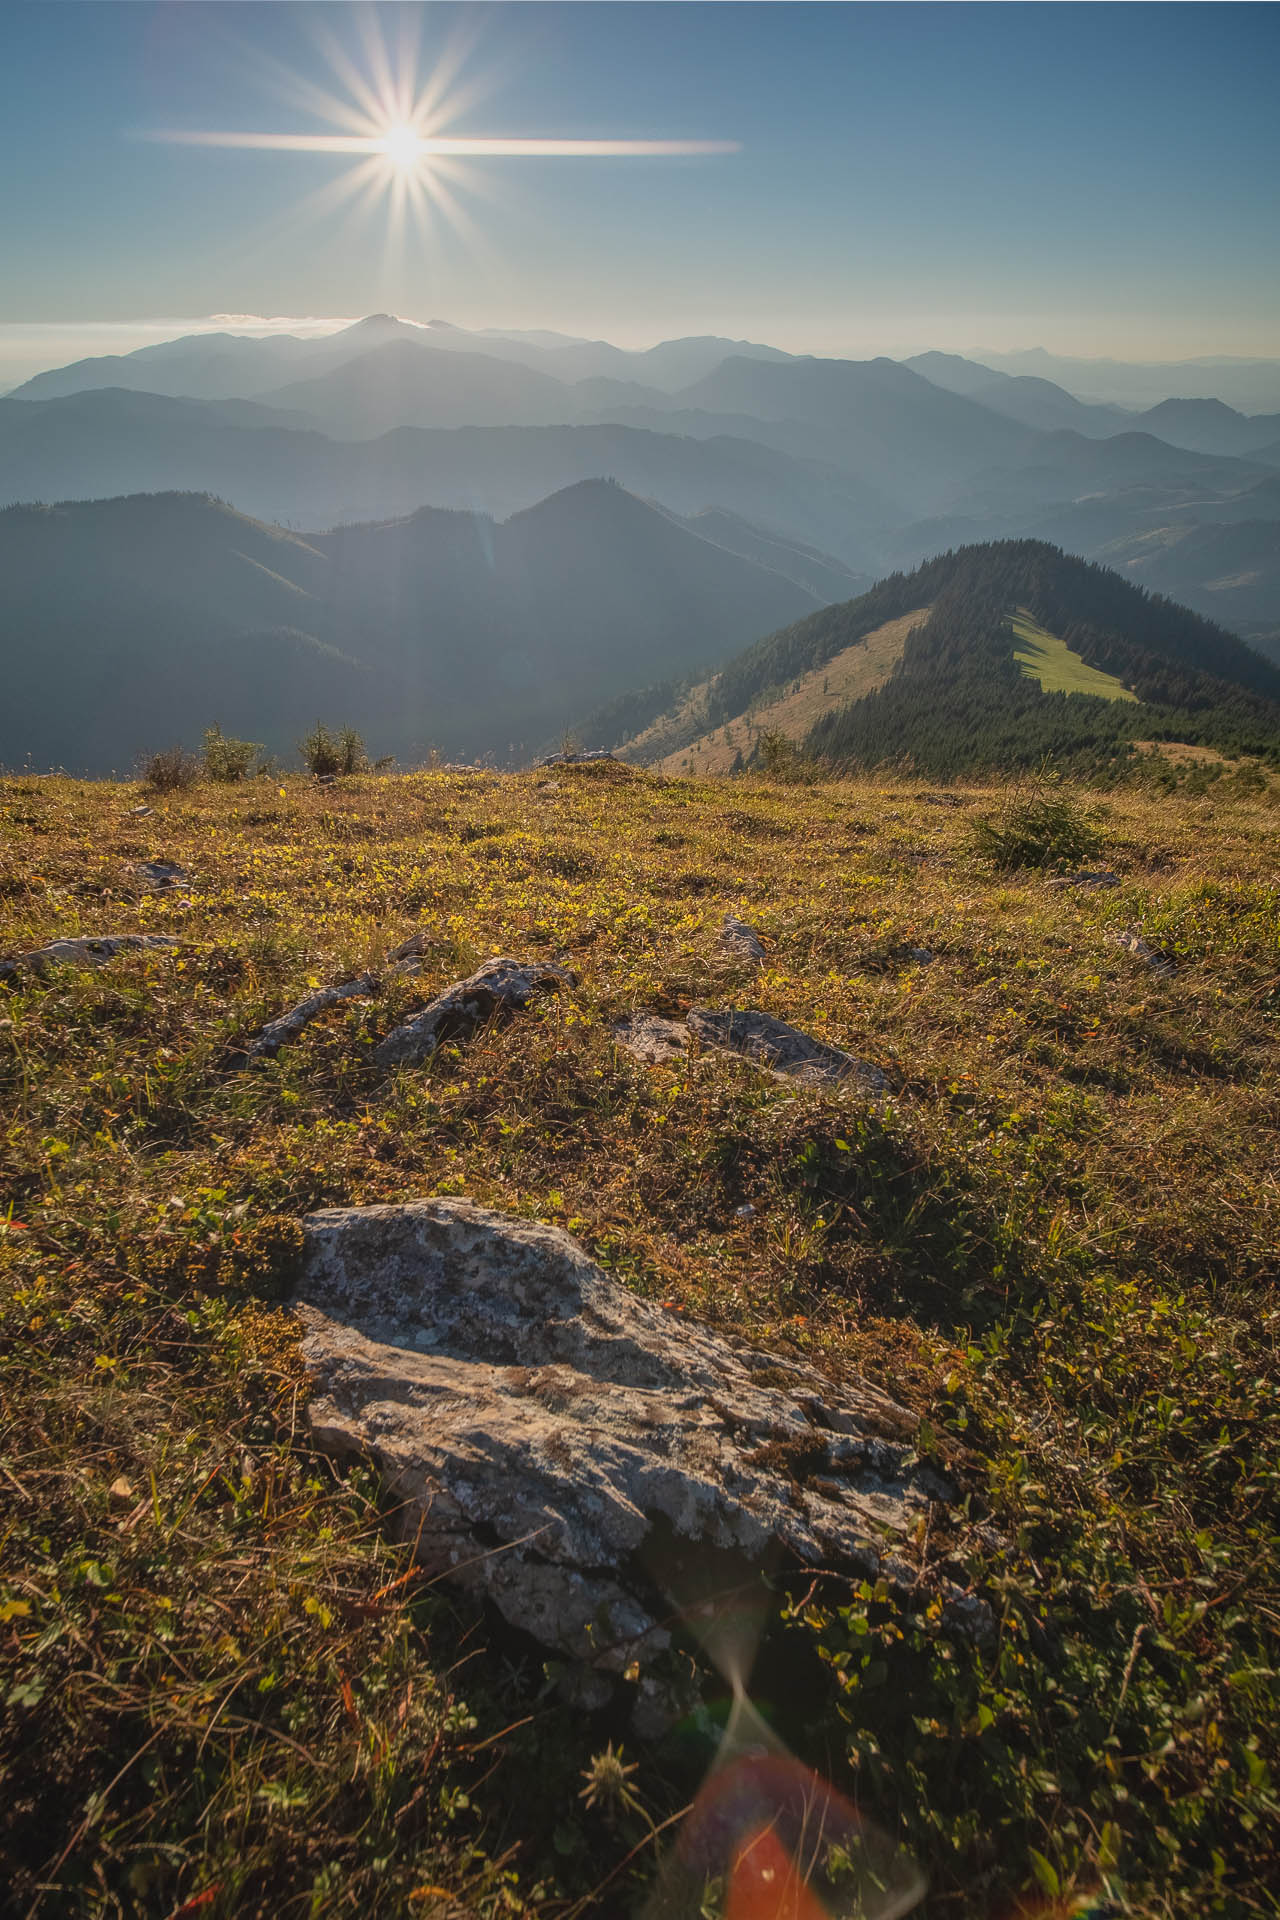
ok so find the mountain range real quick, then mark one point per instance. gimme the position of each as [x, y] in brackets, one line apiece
[411, 521]
[218, 366]
[139, 621]
[877, 463]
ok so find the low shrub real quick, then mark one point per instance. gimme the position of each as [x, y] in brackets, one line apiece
[172, 770]
[1043, 829]
[229, 760]
[325, 752]
[778, 756]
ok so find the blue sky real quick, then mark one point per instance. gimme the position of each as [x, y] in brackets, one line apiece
[1094, 179]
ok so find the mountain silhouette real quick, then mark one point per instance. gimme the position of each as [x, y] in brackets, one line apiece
[142, 620]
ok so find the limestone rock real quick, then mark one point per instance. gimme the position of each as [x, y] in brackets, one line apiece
[557, 1444]
[267, 1044]
[782, 1049]
[87, 950]
[498, 987]
[738, 941]
[770, 1043]
[577, 757]
[652, 1039]
[162, 876]
[1154, 957]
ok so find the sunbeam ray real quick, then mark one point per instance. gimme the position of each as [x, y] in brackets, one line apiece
[429, 146]
[389, 112]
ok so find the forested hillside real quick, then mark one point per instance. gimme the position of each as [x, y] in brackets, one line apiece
[959, 699]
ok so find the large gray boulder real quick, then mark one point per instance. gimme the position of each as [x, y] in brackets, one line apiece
[557, 1444]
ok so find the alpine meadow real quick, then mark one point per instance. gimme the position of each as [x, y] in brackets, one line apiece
[639, 961]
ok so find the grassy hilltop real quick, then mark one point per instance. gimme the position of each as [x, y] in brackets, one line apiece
[226, 1690]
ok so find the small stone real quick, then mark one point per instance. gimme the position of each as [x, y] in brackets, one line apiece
[1154, 957]
[120, 1493]
[499, 987]
[738, 941]
[413, 948]
[162, 876]
[86, 950]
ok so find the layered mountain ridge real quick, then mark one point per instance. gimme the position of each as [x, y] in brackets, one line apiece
[876, 462]
[141, 620]
[454, 571]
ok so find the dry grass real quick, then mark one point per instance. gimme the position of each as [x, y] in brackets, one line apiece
[849, 675]
[1057, 1239]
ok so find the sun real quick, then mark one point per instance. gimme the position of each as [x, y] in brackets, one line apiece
[403, 147]
[394, 120]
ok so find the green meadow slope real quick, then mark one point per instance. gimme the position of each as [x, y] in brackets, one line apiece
[228, 1690]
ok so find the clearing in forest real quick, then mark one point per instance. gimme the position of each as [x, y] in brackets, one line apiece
[849, 675]
[1043, 657]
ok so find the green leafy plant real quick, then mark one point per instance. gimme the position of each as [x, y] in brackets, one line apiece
[326, 752]
[229, 760]
[779, 757]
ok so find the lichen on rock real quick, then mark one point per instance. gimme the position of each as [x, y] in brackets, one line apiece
[549, 1436]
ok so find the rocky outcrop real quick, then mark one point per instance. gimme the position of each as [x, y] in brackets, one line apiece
[553, 1441]
[651, 1038]
[782, 1049]
[267, 1043]
[737, 940]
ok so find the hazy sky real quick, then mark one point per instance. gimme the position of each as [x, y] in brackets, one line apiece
[1095, 179]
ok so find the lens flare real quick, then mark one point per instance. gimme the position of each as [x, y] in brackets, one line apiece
[391, 113]
[782, 1842]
